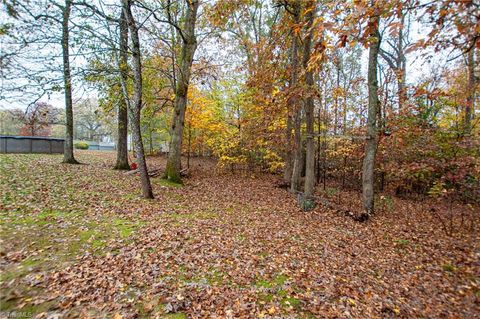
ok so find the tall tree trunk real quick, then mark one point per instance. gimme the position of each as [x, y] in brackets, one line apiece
[309, 116]
[338, 67]
[150, 137]
[467, 126]
[189, 145]
[287, 170]
[122, 141]
[68, 156]
[401, 71]
[296, 109]
[324, 135]
[136, 108]
[319, 124]
[174, 163]
[371, 138]
[398, 62]
[297, 152]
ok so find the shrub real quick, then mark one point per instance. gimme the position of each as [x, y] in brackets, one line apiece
[81, 145]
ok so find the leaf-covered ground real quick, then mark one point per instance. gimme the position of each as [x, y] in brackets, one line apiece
[78, 241]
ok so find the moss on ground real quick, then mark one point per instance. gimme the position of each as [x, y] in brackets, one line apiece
[55, 238]
[167, 183]
[274, 289]
[178, 315]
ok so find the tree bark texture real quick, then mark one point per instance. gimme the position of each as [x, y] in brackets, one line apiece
[373, 107]
[174, 162]
[122, 117]
[136, 106]
[309, 115]
[469, 106]
[294, 106]
[68, 156]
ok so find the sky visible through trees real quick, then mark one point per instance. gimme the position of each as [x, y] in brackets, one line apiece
[418, 64]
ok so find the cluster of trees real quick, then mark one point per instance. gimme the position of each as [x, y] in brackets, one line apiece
[313, 89]
[91, 123]
[36, 120]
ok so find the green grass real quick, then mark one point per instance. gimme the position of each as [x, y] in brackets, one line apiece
[331, 191]
[125, 227]
[402, 242]
[290, 302]
[167, 183]
[55, 213]
[27, 311]
[263, 283]
[44, 233]
[48, 220]
[277, 281]
[212, 277]
[45, 229]
[274, 290]
[449, 268]
[240, 237]
[178, 315]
